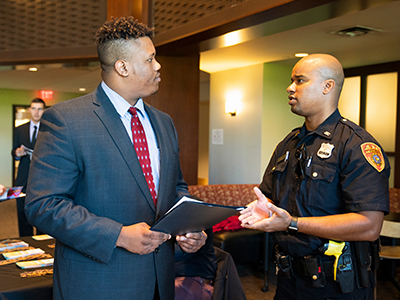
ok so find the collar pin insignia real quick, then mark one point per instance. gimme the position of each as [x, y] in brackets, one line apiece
[327, 133]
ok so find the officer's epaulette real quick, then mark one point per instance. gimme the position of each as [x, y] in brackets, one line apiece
[295, 132]
[358, 130]
[297, 129]
[291, 135]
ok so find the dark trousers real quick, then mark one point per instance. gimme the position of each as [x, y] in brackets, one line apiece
[156, 293]
[298, 288]
[24, 228]
[194, 288]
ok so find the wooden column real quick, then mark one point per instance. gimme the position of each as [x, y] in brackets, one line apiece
[140, 9]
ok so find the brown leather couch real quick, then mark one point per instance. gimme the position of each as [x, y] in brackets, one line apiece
[394, 194]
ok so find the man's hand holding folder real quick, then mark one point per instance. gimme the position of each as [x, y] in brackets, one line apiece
[190, 215]
[192, 241]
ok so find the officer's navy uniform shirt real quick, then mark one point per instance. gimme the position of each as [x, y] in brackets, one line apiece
[340, 177]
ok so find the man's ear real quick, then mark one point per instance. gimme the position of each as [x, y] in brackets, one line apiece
[328, 86]
[121, 68]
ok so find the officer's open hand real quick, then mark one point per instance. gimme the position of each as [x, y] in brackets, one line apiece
[263, 215]
[256, 210]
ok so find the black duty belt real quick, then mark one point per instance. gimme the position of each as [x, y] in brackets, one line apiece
[300, 266]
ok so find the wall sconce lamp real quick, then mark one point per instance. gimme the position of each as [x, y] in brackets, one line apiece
[233, 101]
[230, 107]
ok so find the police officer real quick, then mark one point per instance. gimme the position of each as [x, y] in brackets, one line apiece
[326, 183]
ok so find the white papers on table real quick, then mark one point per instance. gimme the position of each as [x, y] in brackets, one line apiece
[18, 254]
[35, 263]
[12, 245]
[42, 237]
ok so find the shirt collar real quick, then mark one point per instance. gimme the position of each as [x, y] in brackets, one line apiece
[140, 106]
[33, 124]
[327, 127]
[120, 104]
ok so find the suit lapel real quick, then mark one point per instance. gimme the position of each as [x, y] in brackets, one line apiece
[106, 112]
[26, 139]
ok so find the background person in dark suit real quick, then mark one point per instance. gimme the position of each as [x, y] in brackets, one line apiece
[25, 135]
[87, 187]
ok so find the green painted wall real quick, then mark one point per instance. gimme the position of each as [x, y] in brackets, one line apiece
[277, 119]
[251, 136]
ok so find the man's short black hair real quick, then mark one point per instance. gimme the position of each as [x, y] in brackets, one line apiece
[113, 37]
[38, 100]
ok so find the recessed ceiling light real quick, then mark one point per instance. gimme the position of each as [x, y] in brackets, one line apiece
[32, 69]
[82, 89]
[301, 54]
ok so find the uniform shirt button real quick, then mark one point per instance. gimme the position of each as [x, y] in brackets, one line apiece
[315, 174]
[157, 250]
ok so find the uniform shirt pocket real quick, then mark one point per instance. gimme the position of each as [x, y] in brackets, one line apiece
[322, 189]
[278, 177]
[318, 172]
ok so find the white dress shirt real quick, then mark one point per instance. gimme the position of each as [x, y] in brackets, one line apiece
[32, 129]
[122, 106]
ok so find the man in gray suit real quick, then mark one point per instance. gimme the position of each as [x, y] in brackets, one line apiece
[87, 187]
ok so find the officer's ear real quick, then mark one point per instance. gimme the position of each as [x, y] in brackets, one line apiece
[329, 84]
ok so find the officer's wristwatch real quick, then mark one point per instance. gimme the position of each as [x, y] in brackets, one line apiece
[292, 229]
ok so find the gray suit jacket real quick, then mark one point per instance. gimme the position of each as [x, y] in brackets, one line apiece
[85, 183]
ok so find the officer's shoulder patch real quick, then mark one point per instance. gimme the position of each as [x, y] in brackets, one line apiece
[373, 155]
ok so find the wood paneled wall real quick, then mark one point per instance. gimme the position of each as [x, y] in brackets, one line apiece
[178, 96]
[140, 9]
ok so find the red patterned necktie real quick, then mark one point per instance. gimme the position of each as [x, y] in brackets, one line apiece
[142, 151]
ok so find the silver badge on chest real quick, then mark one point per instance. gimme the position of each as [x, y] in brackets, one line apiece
[326, 150]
